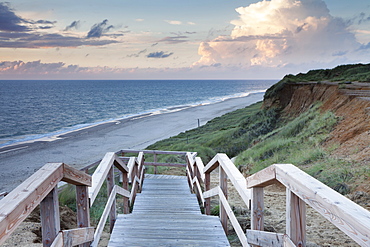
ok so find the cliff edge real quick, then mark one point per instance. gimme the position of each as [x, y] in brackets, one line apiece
[350, 101]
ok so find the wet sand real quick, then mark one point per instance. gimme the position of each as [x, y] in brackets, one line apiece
[83, 147]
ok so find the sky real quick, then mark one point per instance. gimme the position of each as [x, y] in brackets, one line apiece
[167, 39]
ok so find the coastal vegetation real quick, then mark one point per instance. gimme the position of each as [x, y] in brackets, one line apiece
[258, 136]
[341, 74]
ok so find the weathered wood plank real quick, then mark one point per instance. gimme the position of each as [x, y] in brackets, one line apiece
[118, 163]
[110, 188]
[295, 219]
[265, 239]
[262, 178]
[103, 218]
[223, 190]
[200, 165]
[83, 208]
[212, 192]
[154, 152]
[122, 191]
[349, 217]
[257, 210]
[207, 185]
[50, 219]
[198, 190]
[236, 178]
[213, 164]
[167, 214]
[77, 236]
[76, 177]
[288, 242]
[164, 164]
[100, 174]
[238, 229]
[58, 241]
[20, 202]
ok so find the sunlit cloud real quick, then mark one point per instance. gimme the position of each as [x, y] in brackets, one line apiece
[280, 33]
[173, 22]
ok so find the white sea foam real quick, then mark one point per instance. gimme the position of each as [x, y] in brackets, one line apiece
[52, 136]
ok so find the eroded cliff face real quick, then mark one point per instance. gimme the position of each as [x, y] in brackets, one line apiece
[351, 136]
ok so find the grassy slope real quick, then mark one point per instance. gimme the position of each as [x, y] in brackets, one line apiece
[260, 137]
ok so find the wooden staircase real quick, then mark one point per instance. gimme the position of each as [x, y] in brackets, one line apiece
[165, 213]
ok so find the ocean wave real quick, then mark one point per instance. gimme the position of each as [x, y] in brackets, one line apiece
[55, 135]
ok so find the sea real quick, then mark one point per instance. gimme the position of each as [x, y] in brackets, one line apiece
[37, 109]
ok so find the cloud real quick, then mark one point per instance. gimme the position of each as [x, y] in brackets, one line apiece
[159, 54]
[174, 40]
[38, 40]
[173, 22]
[16, 32]
[9, 21]
[283, 33]
[137, 54]
[98, 29]
[139, 20]
[74, 24]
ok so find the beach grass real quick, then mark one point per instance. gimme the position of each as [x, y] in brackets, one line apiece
[259, 138]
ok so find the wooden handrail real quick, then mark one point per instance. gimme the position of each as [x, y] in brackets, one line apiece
[40, 188]
[227, 170]
[302, 189]
[102, 171]
[349, 217]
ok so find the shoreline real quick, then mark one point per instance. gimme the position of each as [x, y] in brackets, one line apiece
[86, 146]
[18, 142]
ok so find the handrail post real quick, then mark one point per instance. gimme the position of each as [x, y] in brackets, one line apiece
[83, 208]
[257, 208]
[207, 185]
[50, 220]
[155, 161]
[295, 219]
[126, 206]
[110, 186]
[223, 186]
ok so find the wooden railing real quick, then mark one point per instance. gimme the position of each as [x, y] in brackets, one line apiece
[41, 189]
[302, 189]
[227, 170]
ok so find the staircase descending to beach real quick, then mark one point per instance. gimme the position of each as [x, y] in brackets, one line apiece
[165, 209]
[165, 213]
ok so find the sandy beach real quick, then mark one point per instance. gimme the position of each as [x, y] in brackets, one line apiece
[83, 147]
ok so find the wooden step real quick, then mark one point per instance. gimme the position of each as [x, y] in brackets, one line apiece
[167, 214]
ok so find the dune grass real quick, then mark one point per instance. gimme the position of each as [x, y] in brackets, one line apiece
[259, 138]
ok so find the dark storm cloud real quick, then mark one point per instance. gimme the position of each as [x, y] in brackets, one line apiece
[9, 21]
[159, 54]
[99, 29]
[74, 24]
